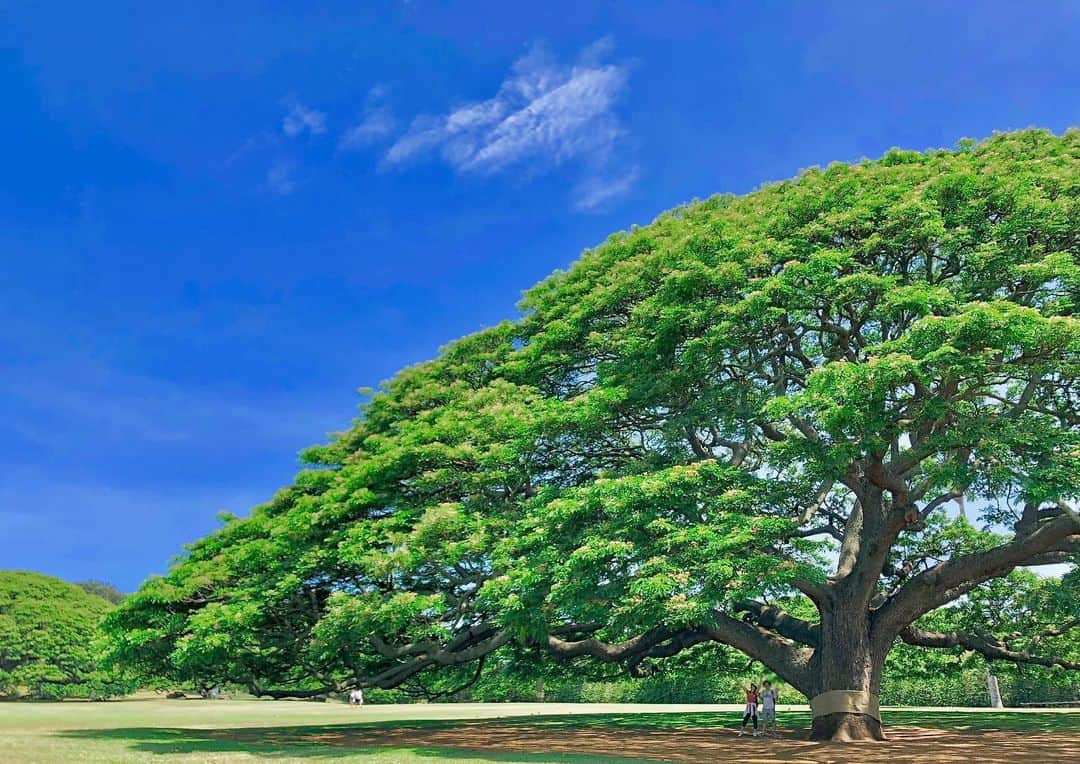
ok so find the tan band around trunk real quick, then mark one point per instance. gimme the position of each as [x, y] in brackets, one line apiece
[845, 702]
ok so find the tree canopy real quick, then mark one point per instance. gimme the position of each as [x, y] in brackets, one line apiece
[51, 640]
[102, 589]
[793, 422]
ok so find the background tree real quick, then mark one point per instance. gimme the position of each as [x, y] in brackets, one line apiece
[102, 589]
[753, 422]
[50, 640]
[1020, 613]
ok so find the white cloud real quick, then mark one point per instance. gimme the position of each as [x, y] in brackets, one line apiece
[279, 178]
[301, 118]
[544, 113]
[595, 191]
[376, 123]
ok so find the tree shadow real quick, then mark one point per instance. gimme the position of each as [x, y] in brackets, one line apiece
[322, 742]
[494, 740]
[999, 720]
[624, 738]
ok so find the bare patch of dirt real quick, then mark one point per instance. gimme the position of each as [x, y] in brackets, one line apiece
[905, 744]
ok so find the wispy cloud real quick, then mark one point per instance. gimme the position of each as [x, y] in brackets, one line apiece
[112, 469]
[544, 114]
[301, 118]
[119, 408]
[595, 191]
[375, 126]
[274, 154]
[279, 178]
[376, 123]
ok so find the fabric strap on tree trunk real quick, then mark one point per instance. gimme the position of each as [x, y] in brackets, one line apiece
[845, 702]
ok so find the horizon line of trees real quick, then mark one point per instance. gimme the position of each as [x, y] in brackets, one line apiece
[53, 647]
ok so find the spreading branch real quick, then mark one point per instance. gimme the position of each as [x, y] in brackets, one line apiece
[991, 650]
[952, 579]
[782, 622]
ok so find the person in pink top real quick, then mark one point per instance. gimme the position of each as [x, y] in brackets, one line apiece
[751, 710]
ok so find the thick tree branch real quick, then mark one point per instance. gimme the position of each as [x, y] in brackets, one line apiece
[954, 578]
[466, 638]
[787, 660]
[436, 694]
[782, 622]
[1024, 400]
[674, 646]
[782, 656]
[824, 530]
[850, 541]
[771, 432]
[595, 648]
[471, 645]
[277, 694]
[819, 500]
[817, 593]
[913, 635]
[1059, 557]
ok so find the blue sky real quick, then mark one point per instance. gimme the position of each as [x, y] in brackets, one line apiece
[217, 222]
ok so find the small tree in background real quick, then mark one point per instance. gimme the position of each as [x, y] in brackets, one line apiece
[748, 423]
[102, 589]
[51, 641]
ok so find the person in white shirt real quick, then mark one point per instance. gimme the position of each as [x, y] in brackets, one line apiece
[356, 697]
[769, 697]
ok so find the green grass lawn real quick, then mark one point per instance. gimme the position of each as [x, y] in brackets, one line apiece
[230, 731]
[235, 731]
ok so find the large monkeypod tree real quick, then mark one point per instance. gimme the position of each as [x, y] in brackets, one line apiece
[794, 422]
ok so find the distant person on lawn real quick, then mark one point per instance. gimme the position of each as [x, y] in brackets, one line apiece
[769, 696]
[356, 697]
[751, 710]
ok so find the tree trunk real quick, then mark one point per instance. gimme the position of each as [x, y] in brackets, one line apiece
[844, 728]
[993, 689]
[848, 679]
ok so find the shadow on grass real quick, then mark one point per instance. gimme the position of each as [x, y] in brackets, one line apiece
[317, 742]
[790, 720]
[979, 722]
[455, 739]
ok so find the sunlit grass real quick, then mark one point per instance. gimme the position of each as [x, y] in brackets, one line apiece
[236, 731]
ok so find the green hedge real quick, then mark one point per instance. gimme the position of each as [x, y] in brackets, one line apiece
[662, 689]
[1063, 688]
[967, 689]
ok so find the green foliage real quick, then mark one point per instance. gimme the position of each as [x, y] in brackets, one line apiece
[102, 589]
[50, 640]
[1022, 607]
[637, 453]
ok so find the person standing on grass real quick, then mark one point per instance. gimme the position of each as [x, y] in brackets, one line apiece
[751, 709]
[769, 696]
[356, 697]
